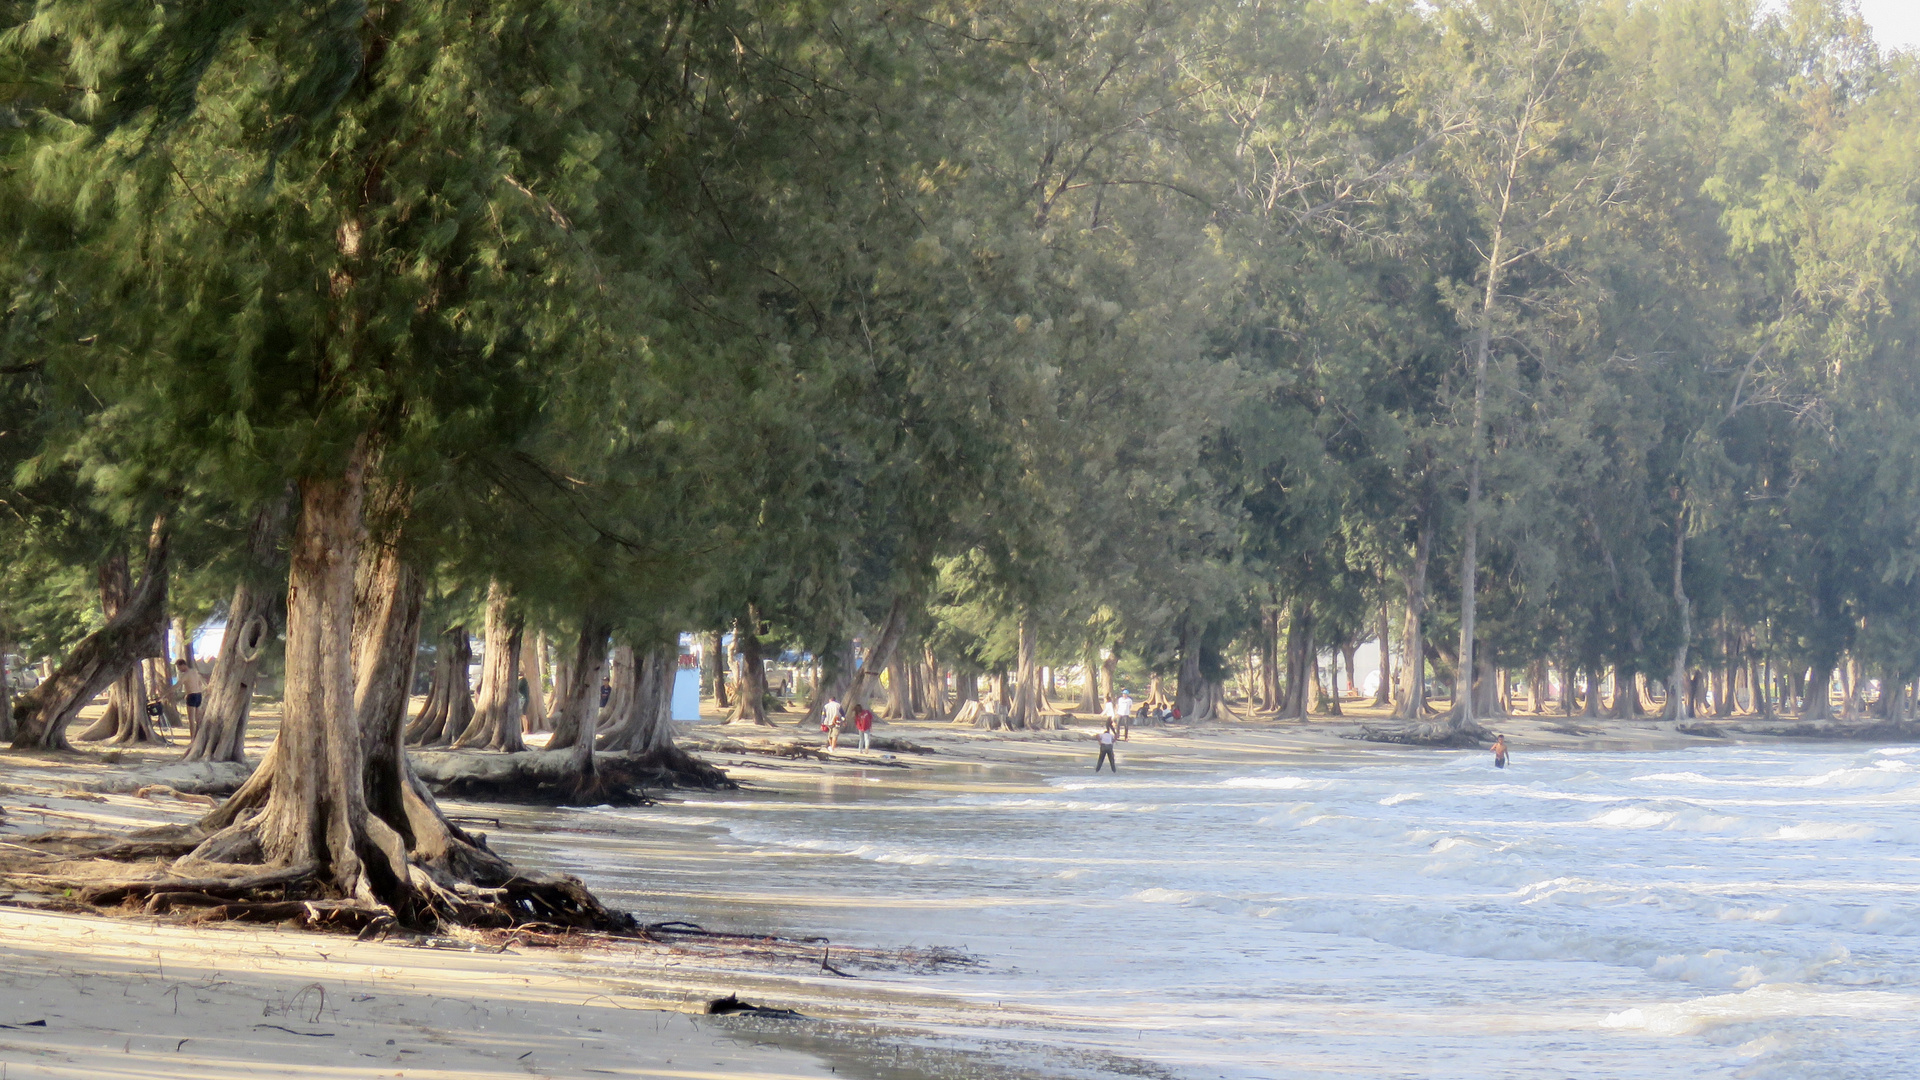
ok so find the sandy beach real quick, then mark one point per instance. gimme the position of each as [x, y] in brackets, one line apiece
[92, 996]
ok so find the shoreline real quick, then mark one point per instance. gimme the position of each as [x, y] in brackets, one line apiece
[616, 1008]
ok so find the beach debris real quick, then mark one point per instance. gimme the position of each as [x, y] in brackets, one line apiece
[731, 1005]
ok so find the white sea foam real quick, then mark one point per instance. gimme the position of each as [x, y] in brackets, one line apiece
[1275, 783]
[1765, 1002]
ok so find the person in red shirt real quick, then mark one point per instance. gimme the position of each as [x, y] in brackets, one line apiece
[863, 723]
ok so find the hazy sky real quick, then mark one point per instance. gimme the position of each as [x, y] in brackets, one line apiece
[1895, 22]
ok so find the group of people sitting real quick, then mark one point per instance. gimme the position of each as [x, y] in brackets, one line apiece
[1119, 713]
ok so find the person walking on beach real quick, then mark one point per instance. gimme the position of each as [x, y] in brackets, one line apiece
[863, 723]
[830, 714]
[193, 687]
[1106, 750]
[1499, 751]
[1123, 715]
[833, 729]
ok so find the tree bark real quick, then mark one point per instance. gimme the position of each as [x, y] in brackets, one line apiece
[1413, 647]
[716, 664]
[533, 667]
[1026, 693]
[315, 808]
[1297, 698]
[752, 706]
[1677, 704]
[135, 631]
[1090, 680]
[938, 710]
[253, 618]
[496, 716]
[574, 728]
[449, 707]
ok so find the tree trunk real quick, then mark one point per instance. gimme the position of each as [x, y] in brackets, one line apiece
[533, 668]
[1677, 705]
[1818, 704]
[899, 697]
[936, 690]
[1090, 681]
[623, 690]
[134, 632]
[315, 810]
[562, 677]
[1413, 641]
[449, 708]
[643, 695]
[879, 653]
[1110, 672]
[496, 716]
[1383, 633]
[716, 665]
[1026, 694]
[579, 706]
[335, 793]
[752, 706]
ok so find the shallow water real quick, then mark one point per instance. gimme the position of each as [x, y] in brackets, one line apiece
[1729, 911]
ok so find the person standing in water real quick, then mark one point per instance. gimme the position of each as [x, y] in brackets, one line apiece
[1499, 751]
[1106, 750]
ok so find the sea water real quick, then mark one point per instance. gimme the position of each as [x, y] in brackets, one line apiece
[1729, 911]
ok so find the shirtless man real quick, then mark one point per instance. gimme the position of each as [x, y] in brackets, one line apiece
[192, 686]
[1499, 751]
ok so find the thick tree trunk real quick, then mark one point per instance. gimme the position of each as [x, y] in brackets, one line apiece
[562, 677]
[1413, 641]
[752, 706]
[1297, 697]
[1110, 673]
[496, 716]
[899, 693]
[623, 690]
[1187, 681]
[574, 728]
[1026, 693]
[315, 809]
[450, 708]
[938, 710]
[1818, 704]
[533, 668]
[135, 631]
[335, 795]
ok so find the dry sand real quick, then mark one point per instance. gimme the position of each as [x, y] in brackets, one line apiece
[87, 997]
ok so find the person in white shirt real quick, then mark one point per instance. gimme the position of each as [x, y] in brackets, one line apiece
[830, 715]
[1106, 750]
[1123, 714]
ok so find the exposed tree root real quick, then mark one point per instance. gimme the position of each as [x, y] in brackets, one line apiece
[547, 778]
[1450, 730]
[1874, 731]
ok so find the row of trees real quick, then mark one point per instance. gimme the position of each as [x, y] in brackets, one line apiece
[992, 335]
